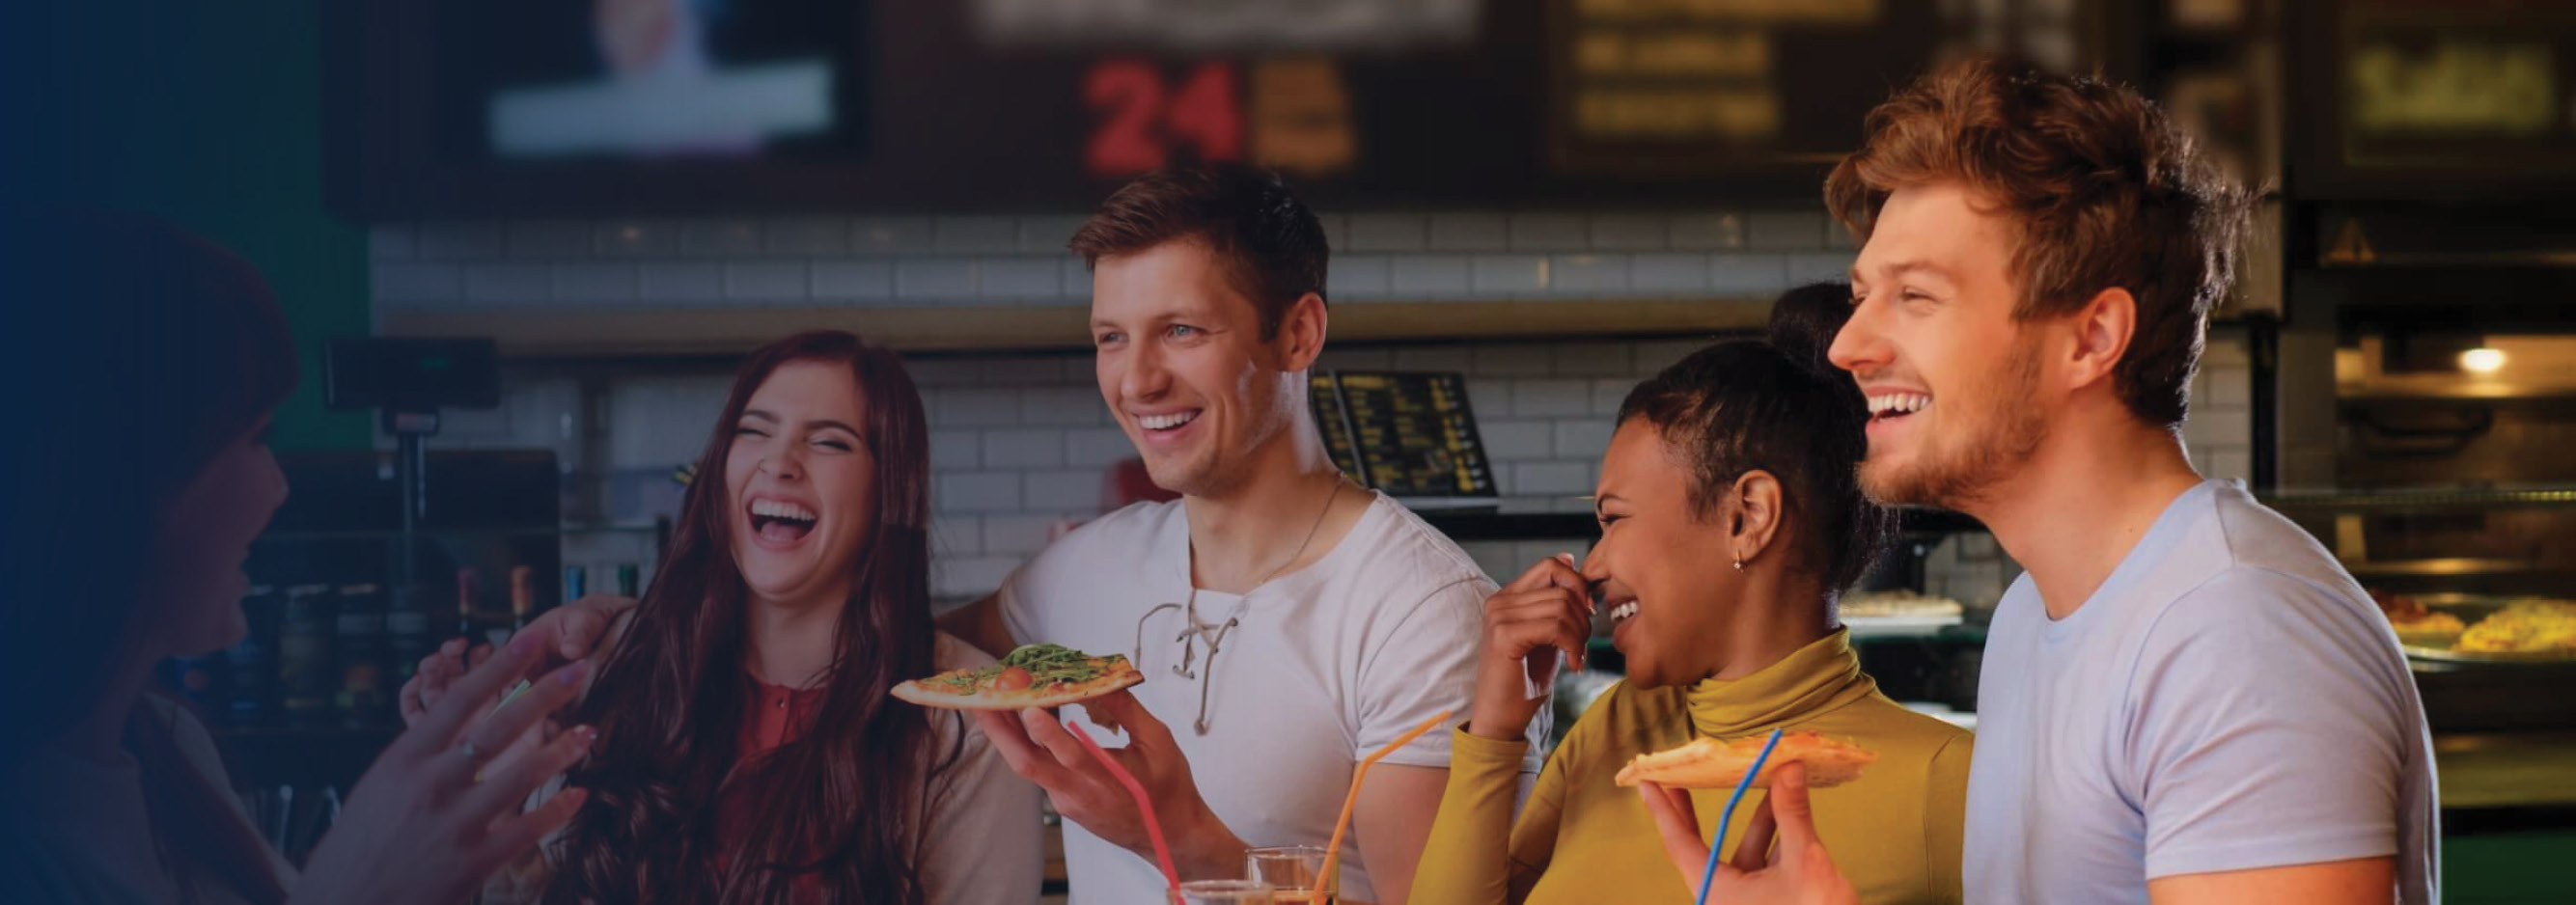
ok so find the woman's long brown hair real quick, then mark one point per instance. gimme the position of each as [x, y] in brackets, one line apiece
[844, 804]
[153, 336]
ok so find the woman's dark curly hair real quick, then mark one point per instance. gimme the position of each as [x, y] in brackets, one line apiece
[1778, 406]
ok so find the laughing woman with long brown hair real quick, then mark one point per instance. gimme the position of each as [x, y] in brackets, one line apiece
[748, 751]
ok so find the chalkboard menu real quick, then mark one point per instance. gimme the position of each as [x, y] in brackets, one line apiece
[2421, 100]
[1655, 90]
[1406, 434]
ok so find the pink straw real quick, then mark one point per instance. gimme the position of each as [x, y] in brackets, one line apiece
[1153, 828]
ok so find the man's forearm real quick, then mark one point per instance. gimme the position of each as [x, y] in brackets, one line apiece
[2359, 881]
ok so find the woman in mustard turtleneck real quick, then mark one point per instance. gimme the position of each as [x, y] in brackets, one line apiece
[1730, 519]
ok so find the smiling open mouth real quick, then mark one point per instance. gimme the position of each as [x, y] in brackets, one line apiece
[781, 522]
[1890, 406]
[1172, 421]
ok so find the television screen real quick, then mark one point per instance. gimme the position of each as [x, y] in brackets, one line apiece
[558, 79]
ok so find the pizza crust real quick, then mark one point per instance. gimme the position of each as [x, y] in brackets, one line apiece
[1706, 763]
[1018, 699]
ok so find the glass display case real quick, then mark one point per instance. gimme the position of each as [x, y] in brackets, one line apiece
[2449, 492]
[2477, 585]
[2454, 503]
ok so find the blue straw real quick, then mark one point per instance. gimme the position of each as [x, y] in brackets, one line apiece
[1708, 876]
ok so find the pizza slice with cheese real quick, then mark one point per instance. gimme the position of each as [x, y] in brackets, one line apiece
[1035, 675]
[1706, 763]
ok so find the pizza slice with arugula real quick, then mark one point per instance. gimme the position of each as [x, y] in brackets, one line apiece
[1035, 675]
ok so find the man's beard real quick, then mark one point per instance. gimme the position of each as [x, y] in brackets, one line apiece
[1959, 470]
[1203, 473]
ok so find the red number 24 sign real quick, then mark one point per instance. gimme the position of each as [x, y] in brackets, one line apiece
[1142, 120]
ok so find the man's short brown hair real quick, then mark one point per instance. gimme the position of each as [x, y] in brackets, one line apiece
[2103, 191]
[1266, 239]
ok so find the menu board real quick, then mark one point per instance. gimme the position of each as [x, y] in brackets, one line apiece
[482, 107]
[1406, 434]
[1646, 89]
[2435, 100]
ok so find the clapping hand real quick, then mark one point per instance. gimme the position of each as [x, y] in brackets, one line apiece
[440, 810]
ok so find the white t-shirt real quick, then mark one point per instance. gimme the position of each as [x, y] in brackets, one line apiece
[1327, 664]
[2228, 699]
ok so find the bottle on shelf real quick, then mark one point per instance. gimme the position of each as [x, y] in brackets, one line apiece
[251, 694]
[629, 581]
[523, 596]
[465, 604]
[576, 583]
[199, 680]
[306, 682]
[362, 655]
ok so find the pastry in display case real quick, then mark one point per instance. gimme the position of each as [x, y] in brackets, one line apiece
[2471, 628]
[1899, 611]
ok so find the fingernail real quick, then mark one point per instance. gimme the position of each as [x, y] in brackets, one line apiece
[585, 735]
[571, 676]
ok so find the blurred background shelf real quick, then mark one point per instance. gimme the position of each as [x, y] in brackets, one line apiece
[649, 529]
[2425, 499]
[576, 334]
[2455, 567]
[1492, 523]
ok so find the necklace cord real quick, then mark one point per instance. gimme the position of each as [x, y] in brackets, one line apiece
[1198, 630]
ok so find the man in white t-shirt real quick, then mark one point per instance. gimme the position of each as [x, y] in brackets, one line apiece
[2186, 699]
[1287, 621]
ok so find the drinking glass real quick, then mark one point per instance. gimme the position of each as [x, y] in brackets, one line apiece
[1292, 870]
[1225, 892]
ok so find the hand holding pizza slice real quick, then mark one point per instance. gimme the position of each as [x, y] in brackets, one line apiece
[1036, 745]
[1778, 861]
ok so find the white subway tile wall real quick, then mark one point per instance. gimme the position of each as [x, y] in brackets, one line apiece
[1429, 276]
[1550, 232]
[827, 262]
[1354, 277]
[1022, 443]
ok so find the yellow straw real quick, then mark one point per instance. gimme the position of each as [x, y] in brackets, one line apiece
[1333, 852]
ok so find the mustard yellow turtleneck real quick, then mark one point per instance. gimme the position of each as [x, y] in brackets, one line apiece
[1583, 839]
